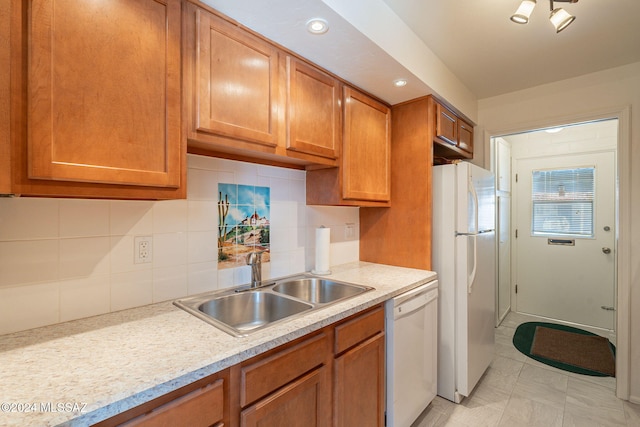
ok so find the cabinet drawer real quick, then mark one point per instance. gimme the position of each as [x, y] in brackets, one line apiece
[354, 331]
[203, 407]
[266, 375]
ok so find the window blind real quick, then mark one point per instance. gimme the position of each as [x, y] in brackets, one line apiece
[563, 202]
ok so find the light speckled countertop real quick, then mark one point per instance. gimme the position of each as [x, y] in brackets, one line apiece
[81, 372]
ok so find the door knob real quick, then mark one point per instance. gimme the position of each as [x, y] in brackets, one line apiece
[606, 250]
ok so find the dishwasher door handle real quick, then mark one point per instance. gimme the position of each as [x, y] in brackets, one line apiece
[414, 303]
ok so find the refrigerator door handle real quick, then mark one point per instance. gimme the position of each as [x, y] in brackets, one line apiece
[472, 277]
[474, 195]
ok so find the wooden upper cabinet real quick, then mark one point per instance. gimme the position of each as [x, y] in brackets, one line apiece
[363, 177]
[366, 166]
[102, 105]
[446, 125]
[314, 124]
[452, 135]
[465, 136]
[382, 240]
[236, 79]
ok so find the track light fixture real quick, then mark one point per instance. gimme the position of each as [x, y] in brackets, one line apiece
[559, 17]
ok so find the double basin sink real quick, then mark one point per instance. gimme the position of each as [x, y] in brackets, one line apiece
[242, 311]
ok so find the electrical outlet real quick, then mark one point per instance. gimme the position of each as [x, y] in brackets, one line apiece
[349, 230]
[142, 252]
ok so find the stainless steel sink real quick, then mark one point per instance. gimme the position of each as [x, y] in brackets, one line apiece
[318, 291]
[243, 310]
[251, 310]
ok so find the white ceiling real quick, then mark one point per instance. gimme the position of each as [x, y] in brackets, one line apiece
[475, 40]
[492, 55]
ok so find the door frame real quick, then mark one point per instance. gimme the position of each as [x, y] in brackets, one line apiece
[623, 244]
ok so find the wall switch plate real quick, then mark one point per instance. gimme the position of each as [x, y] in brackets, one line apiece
[142, 252]
[349, 230]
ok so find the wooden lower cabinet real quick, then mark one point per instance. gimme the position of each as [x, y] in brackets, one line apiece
[361, 369]
[302, 403]
[358, 370]
[203, 407]
[334, 376]
[204, 403]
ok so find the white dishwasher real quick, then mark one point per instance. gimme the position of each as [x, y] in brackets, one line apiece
[411, 321]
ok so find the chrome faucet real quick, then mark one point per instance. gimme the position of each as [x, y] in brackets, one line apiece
[254, 259]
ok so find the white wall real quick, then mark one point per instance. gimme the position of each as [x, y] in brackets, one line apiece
[595, 95]
[63, 259]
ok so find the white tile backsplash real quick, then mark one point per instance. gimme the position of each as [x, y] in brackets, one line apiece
[84, 218]
[202, 277]
[29, 219]
[84, 297]
[202, 215]
[202, 184]
[28, 261]
[202, 246]
[170, 216]
[84, 257]
[63, 259]
[169, 249]
[131, 217]
[169, 282]
[131, 289]
[28, 306]
[121, 256]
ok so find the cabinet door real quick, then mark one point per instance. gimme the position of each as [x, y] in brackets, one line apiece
[200, 408]
[303, 403]
[313, 111]
[366, 169]
[359, 385]
[465, 136]
[5, 97]
[446, 125]
[236, 82]
[104, 106]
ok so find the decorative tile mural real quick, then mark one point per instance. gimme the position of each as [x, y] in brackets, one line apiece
[243, 223]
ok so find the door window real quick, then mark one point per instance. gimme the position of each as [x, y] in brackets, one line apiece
[562, 202]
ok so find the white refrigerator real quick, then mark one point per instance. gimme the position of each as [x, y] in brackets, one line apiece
[463, 255]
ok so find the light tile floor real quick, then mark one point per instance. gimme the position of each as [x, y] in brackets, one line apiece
[519, 391]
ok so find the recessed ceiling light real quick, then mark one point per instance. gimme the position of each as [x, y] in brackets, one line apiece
[317, 26]
[554, 130]
[399, 82]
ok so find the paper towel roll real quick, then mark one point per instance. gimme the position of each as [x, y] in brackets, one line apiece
[323, 245]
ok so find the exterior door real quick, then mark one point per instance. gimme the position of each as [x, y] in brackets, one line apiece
[565, 220]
